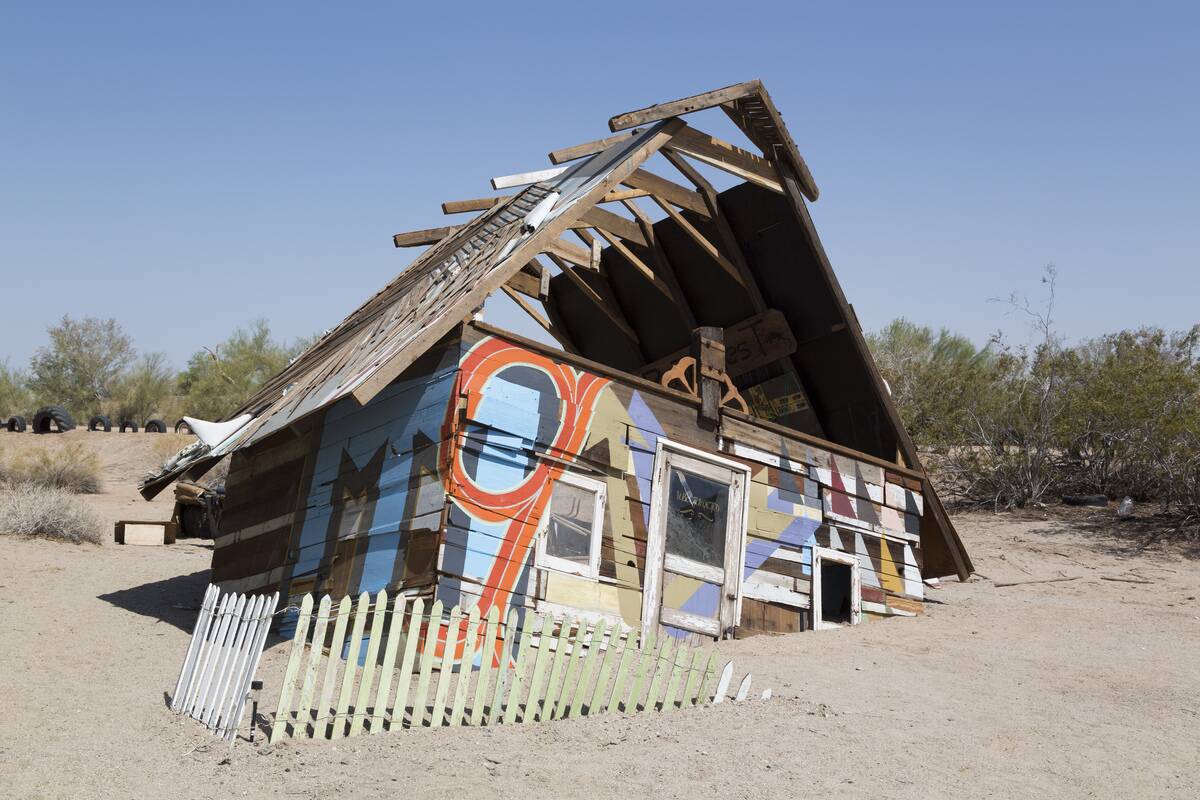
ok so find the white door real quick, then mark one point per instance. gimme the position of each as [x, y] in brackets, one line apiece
[696, 542]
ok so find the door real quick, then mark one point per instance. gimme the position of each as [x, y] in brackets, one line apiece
[695, 542]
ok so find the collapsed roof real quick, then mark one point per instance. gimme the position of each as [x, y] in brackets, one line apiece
[629, 291]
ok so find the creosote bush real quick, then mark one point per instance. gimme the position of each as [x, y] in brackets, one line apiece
[1010, 426]
[70, 467]
[29, 510]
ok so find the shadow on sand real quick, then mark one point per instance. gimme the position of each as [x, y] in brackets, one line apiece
[175, 601]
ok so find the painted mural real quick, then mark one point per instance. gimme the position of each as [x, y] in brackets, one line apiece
[439, 484]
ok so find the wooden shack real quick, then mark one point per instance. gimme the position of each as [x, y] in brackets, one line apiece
[708, 447]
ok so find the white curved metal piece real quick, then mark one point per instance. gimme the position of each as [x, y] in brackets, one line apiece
[538, 213]
[213, 433]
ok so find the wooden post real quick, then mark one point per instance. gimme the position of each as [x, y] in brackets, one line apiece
[708, 348]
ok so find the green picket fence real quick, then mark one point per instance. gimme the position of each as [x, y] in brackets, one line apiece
[381, 664]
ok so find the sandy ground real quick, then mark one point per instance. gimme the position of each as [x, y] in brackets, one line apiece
[1080, 688]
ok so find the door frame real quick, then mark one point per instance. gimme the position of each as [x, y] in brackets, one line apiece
[652, 583]
[820, 554]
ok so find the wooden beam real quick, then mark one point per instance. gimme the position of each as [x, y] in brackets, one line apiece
[639, 265]
[608, 308]
[752, 343]
[664, 264]
[620, 195]
[687, 105]
[478, 204]
[424, 237]
[525, 178]
[614, 223]
[667, 190]
[722, 225]
[652, 141]
[725, 156]
[545, 324]
[532, 281]
[705, 245]
[566, 154]
[762, 123]
[568, 252]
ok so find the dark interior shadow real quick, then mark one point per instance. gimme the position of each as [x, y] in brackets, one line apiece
[175, 601]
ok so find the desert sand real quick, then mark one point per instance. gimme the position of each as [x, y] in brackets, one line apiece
[1080, 688]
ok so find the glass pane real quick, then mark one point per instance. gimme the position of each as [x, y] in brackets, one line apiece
[572, 514]
[697, 510]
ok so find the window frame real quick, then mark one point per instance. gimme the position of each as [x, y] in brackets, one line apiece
[546, 561]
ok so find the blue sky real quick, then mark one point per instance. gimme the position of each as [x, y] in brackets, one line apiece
[187, 169]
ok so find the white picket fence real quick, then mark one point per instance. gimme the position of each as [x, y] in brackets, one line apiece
[548, 669]
[222, 658]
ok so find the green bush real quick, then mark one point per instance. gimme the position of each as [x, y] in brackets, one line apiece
[1012, 426]
[220, 379]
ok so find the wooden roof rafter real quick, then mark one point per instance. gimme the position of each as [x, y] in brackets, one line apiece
[750, 108]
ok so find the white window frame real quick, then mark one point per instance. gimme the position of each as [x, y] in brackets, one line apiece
[837, 556]
[656, 555]
[547, 561]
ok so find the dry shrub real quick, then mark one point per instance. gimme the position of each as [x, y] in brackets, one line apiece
[28, 510]
[71, 467]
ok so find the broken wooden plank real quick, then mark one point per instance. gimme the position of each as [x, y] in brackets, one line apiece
[565, 154]
[424, 237]
[476, 204]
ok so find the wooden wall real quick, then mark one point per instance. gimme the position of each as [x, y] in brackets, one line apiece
[438, 485]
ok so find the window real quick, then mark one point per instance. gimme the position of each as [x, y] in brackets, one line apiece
[697, 514]
[836, 590]
[569, 536]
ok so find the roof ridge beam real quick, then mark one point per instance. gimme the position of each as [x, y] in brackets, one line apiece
[687, 105]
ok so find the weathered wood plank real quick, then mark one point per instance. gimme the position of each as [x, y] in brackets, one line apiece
[648, 662]
[199, 633]
[517, 681]
[432, 631]
[446, 668]
[668, 190]
[562, 658]
[325, 709]
[628, 657]
[723, 683]
[387, 668]
[311, 673]
[367, 680]
[533, 701]
[565, 154]
[466, 666]
[338, 727]
[663, 665]
[680, 666]
[424, 237]
[284, 707]
[590, 660]
[487, 654]
[412, 635]
[686, 105]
